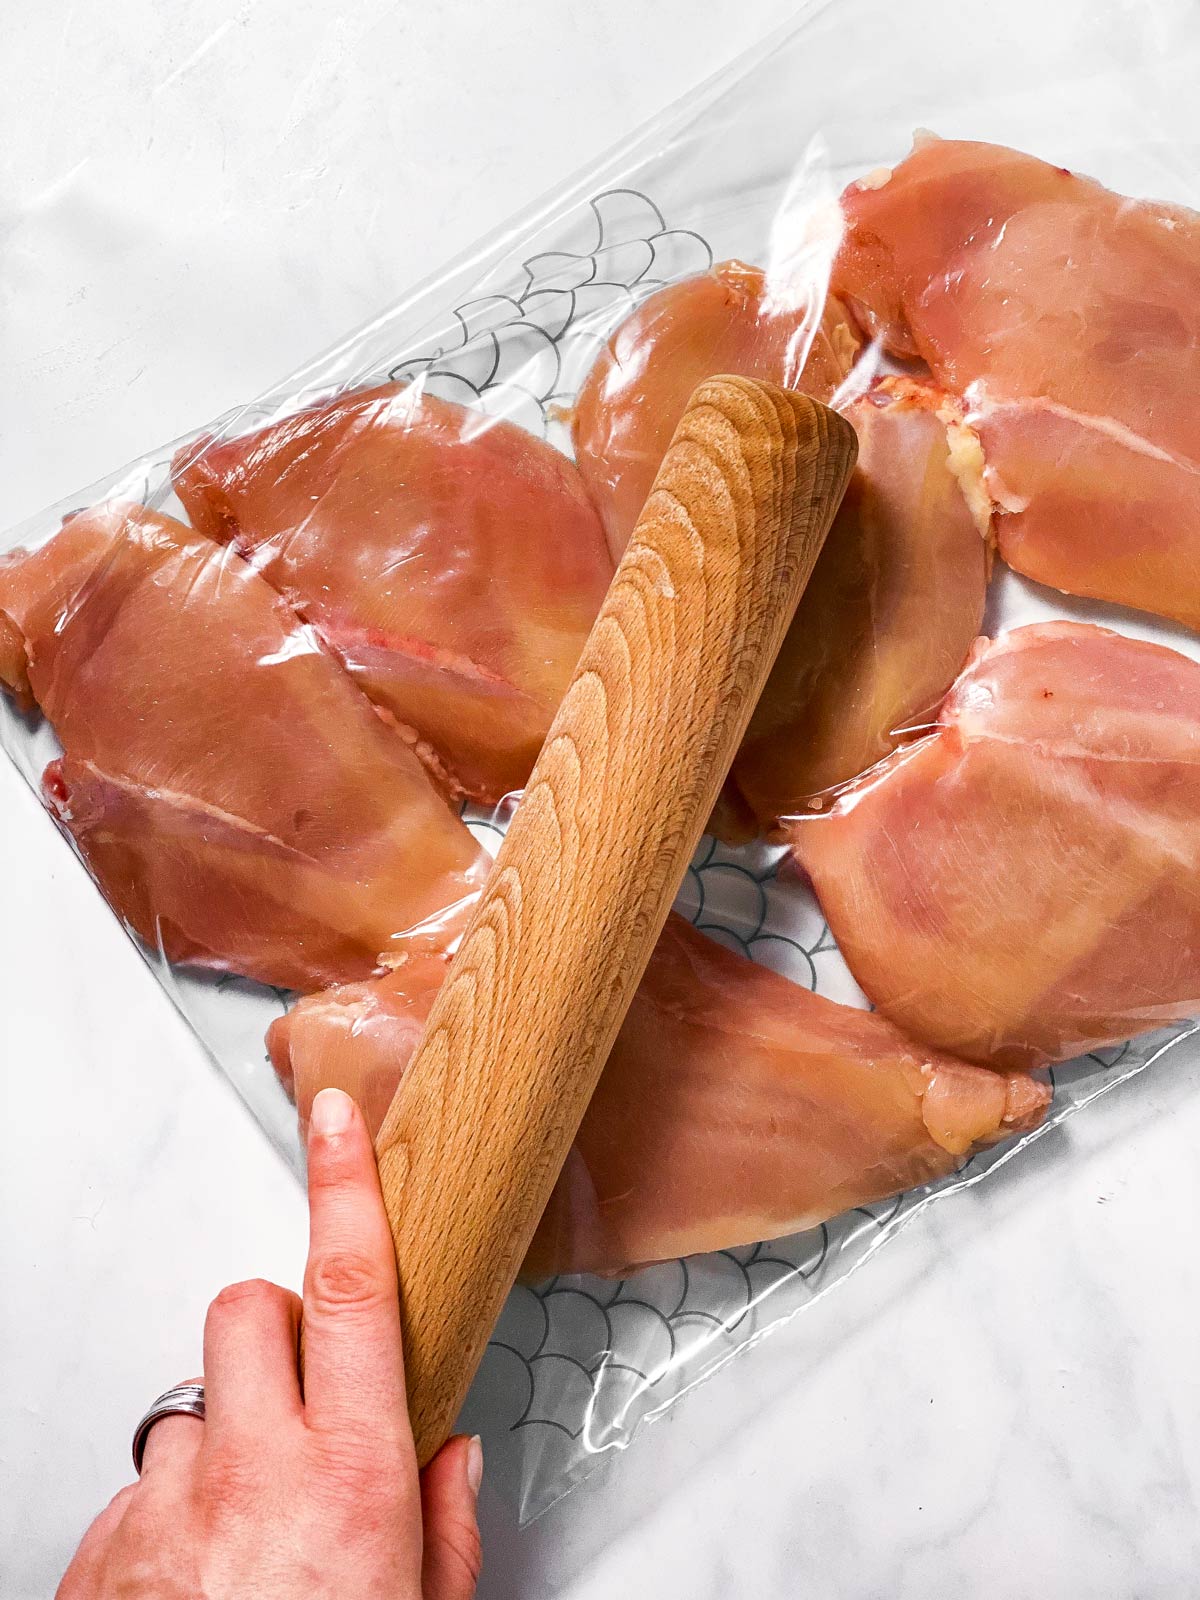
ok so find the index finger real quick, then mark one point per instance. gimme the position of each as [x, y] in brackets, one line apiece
[353, 1363]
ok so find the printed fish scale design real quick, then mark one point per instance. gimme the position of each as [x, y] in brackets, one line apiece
[524, 355]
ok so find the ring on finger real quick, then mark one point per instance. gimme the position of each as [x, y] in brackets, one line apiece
[182, 1400]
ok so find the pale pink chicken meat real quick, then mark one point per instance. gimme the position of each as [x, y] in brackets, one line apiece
[1069, 318]
[735, 1106]
[898, 592]
[890, 612]
[240, 802]
[730, 319]
[1023, 885]
[453, 563]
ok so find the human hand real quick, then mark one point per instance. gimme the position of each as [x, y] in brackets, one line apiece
[280, 1494]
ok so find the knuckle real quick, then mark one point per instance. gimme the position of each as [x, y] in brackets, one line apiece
[344, 1459]
[229, 1483]
[358, 1480]
[346, 1279]
[349, 1454]
[331, 1168]
[143, 1533]
[124, 1496]
[253, 1292]
[255, 1301]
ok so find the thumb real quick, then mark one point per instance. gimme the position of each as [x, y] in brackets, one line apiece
[453, 1555]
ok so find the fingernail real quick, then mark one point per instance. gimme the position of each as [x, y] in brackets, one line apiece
[475, 1463]
[331, 1111]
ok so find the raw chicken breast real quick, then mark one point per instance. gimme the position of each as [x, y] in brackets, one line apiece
[453, 562]
[890, 612]
[897, 595]
[725, 320]
[735, 1106]
[1069, 317]
[356, 1036]
[1081, 501]
[1023, 885]
[241, 804]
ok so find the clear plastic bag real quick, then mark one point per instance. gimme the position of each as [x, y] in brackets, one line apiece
[358, 682]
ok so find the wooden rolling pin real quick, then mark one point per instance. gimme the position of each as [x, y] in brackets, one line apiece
[486, 1112]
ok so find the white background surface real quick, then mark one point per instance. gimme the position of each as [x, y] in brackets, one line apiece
[193, 198]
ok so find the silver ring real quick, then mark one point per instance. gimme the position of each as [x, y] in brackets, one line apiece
[184, 1400]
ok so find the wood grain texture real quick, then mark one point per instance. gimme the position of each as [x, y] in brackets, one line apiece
[486, 1113]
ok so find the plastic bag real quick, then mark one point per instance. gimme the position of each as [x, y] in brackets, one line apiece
[181, 649]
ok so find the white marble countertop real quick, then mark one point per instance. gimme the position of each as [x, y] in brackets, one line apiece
[193, 198]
